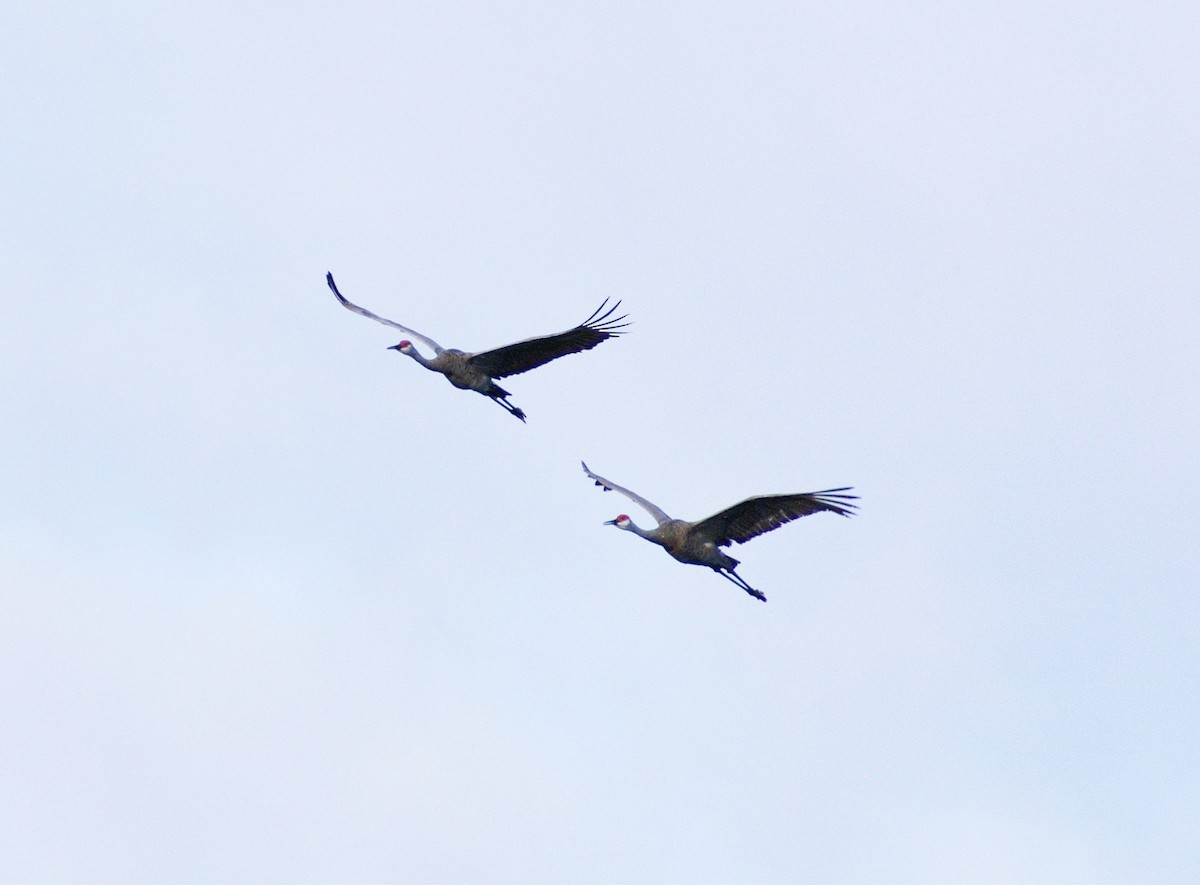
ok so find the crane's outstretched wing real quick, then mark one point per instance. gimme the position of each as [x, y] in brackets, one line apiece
[756, 516]
[637, 499]
[362, 311]
[513, 359]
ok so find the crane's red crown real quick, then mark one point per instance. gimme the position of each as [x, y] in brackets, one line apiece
[624, 517]
[403, 344]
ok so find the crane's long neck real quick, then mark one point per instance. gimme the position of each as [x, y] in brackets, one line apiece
[418, 356]
[650, 535]
[421, 358]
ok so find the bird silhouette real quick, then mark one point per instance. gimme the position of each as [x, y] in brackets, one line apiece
[697, 543]
[478, 371]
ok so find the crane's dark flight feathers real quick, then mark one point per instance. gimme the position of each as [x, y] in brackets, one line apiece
[513, 359]
[757, 516]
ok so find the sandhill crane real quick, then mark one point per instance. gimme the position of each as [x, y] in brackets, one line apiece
[477, 371]
[696, 543]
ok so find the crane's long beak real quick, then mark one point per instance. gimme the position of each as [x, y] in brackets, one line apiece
[609, 522]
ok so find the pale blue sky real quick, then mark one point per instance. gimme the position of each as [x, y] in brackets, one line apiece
[278, 606]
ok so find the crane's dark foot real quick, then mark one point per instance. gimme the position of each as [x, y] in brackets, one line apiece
[757, 594]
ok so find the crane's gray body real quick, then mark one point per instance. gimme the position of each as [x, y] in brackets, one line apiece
[680, 538]
[456, 365]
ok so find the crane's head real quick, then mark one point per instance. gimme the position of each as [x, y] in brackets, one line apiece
[621, 522]
[404, 347]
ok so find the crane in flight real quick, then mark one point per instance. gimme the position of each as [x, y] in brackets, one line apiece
[478, 371]
[697, 543]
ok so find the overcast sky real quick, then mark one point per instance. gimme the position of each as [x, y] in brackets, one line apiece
[279, 606]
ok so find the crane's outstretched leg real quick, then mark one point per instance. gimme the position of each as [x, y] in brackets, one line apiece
[509, 407]
[737, 579]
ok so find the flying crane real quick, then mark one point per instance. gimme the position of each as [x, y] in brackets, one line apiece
[478, 371]
[697, 543]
